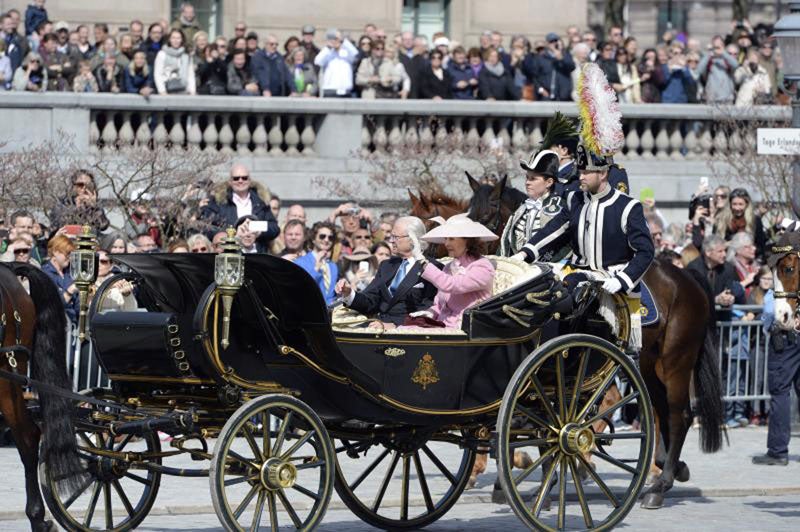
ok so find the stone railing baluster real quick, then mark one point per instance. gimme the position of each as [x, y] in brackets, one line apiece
[243, 136]
[308, 136]
[275, 137]
[260, 136]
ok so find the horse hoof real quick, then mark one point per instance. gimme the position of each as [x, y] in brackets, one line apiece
[471, 482]
[682, 474]
[583, 473]
[522, 460]
[45, 526]
[498, 496]
[653, 501]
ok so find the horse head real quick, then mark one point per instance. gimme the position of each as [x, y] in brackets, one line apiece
[786, 274]
[493, 205]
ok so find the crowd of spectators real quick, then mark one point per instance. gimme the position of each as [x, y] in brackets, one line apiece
[742, 67]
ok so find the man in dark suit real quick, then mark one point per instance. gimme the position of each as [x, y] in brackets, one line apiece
[397, 289]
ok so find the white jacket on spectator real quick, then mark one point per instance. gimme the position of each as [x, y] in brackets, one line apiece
[751, 85]
[337, 67]
[174, 63]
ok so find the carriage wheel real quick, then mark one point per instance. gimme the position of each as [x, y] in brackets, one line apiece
[384, 479]
[274, 452]
[551, 406]
[114, 497]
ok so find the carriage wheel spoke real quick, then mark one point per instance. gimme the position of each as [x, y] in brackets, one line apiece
[107, 504]
[265, 453]
[238, 457]
[290, 509]
[562, 491]
[299, 443]
[137, 478]
[587, 515]
[246, 501]
[357, 448]
[614, 461]
[619, 436]
[548, 408]
[251, 441]
[124, 498]
[77, 493]
[562, 387]
[534, 466]
[310, 465]
[306, 492]
[281, 433]
[535, 418]
[580, 376]
[259, 510]
[544, 489]
[404, 491]
[87, 521]
[121, 445]
[438, 463]
[600, 484]
[423, 482]
[616, 406]
[243, 478]
[273, 512]
[598, 392]
[87, 440]
[385, 484]
[368, 471]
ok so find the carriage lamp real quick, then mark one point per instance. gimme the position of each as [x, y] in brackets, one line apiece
[82, 263]
[229, 276]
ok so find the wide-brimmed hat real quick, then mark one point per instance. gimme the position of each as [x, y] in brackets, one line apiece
[358, 255]
[458, 226]
[543, 162]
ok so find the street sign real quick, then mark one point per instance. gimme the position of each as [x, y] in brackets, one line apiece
[778, 141]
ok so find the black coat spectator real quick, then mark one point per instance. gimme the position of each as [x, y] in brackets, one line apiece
[212, 73]
[271, 72]
[435, 81]
[608, 63]
[109, 76]
[495, 81]
[463, 78]
[652, 77]
[223, 210]
[240, 79]
[549, 72]
[153, 44]
[721, 276]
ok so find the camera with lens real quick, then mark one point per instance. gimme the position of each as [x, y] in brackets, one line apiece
[702, 200]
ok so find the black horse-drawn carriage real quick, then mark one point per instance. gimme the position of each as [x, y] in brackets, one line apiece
[300, 403]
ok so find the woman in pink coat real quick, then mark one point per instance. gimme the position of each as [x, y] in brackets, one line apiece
[467, 279]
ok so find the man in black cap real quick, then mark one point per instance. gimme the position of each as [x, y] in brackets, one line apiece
[307, 43]
[605, 229]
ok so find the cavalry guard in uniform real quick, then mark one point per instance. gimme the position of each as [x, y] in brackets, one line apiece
[604, 227]
[542, 205]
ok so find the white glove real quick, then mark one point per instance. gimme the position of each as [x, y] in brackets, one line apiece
[612, 286]
[426, 313]
[416, 252]
[521, 256]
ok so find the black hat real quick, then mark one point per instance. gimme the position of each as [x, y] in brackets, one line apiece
[544, 162]
[585, 159]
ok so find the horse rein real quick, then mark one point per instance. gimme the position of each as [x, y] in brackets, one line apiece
[10, 351]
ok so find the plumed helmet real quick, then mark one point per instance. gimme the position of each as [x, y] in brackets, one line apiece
[585, 159]
[543, 162]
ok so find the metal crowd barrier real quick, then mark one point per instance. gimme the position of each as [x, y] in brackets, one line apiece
[743, 349]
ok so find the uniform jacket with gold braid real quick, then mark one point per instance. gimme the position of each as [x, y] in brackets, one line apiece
[606, 231]
[531, 216]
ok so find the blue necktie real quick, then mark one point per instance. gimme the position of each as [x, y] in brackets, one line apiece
[399, 276]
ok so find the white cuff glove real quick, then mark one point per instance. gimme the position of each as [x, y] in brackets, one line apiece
[521, 256]
[416, 252]
[426, 313]
[612, 286]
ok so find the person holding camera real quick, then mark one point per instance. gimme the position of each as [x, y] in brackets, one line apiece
[753, 81]
[716, 70]
[351, 217]
[240, 196]
[336, 62]
[550, 71]
[679, 84]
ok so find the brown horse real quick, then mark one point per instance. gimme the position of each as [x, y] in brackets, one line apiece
[679, 344]
[785, 264]
[36, 324]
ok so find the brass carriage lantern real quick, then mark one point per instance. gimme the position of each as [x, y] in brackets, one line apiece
[229, 276]
[82, 266]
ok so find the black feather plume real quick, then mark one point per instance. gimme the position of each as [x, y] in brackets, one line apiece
[559, 128]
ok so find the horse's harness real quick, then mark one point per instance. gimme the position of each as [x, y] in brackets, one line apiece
[11, 350]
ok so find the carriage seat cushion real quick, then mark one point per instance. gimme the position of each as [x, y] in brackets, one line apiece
[508, 274]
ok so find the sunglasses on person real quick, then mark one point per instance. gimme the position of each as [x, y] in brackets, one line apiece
[201, 249]
[22, 251]
[721, 196]
[81, 184]
[104, 261]
[240, 177]
[325, 236]
[272, 44]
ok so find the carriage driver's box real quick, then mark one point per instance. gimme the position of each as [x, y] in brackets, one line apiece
[140, 343]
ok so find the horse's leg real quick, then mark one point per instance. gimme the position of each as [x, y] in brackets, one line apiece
[478, 468]
[26, 436]
[658, 455]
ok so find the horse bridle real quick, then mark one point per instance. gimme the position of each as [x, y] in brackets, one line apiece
[786, 251]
